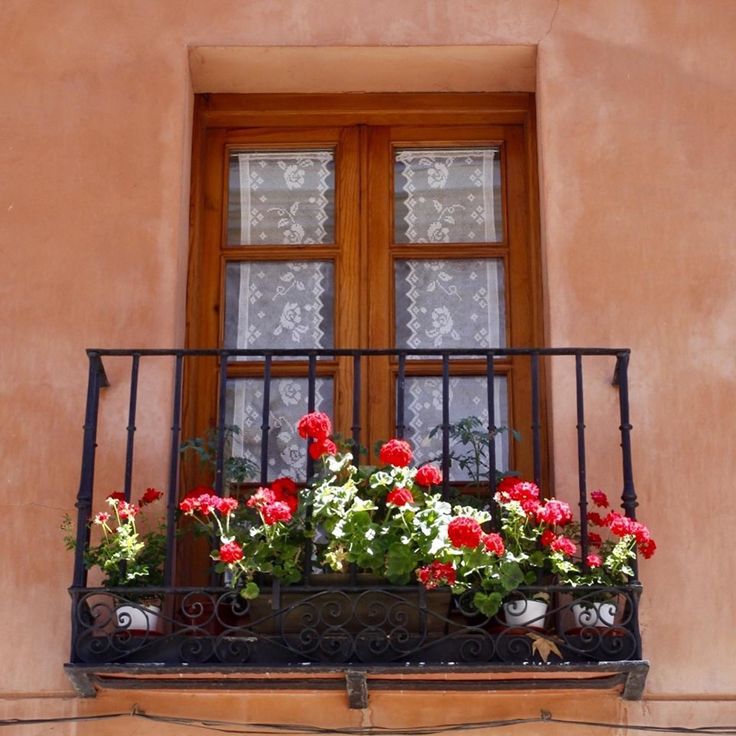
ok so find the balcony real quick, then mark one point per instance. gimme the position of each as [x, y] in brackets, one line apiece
[345, 630]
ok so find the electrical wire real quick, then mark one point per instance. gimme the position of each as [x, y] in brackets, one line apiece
[268, 729]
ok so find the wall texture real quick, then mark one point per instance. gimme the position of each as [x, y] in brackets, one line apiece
[636, 111]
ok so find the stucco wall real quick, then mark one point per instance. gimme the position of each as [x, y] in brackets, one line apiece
[635, 114]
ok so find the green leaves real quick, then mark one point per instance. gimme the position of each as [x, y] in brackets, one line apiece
[488, 603]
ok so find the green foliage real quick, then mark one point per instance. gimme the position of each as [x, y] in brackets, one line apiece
[235, 469]
[474, 438]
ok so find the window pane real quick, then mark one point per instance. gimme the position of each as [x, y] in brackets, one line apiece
[450, 304]
[281, 197]
[447, 196]
[287, 452]
[279, 304]
[468, 398]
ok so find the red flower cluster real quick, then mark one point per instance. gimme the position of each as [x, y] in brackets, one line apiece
[283, 491]
[554, 512]
[102, 517]
[322, 446]
[151, 495]
[127, 510]
[316, 425]
[286, 490]
[396, 452]
[437, 573]
[117, 495]
[548, 536]
[399, 497]
[564, 545]
[493, 543]
[428, 475]
[231, 552]
[599, 499]
[593, 561]
[464, 532]
[207, 503]
[522, 491]
[621, 526]
[275, 512]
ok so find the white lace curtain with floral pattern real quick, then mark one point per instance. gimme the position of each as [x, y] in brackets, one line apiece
[450, 304]
[448, 196]
[281, 198]
[468, 398]
[287, 452]
[279, 304]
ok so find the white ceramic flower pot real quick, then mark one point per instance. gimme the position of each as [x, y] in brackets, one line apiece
[146, 619]
[525, 612]
[594, 613]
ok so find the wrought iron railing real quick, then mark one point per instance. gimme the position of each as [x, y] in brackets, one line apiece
[347, 621]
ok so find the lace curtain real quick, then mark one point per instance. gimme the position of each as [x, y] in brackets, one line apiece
[287, 452]
[450, 304]
[279, 304]
[447, 196]
[468, 397]
[281, 197]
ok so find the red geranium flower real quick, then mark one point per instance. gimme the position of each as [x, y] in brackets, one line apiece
[647, 548]
[600, 499]
[594, 540]
[127, 510]
[284, 486]
[619, 524]
[400, 497]
[151, 495]
[436, 573]
[554, 512]
[102, 517]
[396, 452]
[595, 518]
[188, 505]
[321, 447]
[494, 543]
[316, 425]
[564, 545]
[231, 552]
[227, 505]
[464, 532]
[548, 536]
[275, 512]
[428, 475]
[593, 561]
[523, 491]
[262, 497]
[117, 495]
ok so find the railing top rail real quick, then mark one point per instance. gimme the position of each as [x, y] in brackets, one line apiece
[339, 352]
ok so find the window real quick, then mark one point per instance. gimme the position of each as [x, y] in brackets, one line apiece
[363, 221]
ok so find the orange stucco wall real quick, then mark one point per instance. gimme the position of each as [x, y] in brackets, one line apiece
[636, 111]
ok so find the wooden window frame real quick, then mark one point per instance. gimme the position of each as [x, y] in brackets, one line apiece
[322, 118]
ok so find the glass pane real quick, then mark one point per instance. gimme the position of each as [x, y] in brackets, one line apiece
[447, 196]
[450, 304]
[281, 197]
[287, 452]
[279, 304]
[468, 398]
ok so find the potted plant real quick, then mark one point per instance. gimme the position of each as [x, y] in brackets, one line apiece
[534, 530]
[614, 541]
[130, 555]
